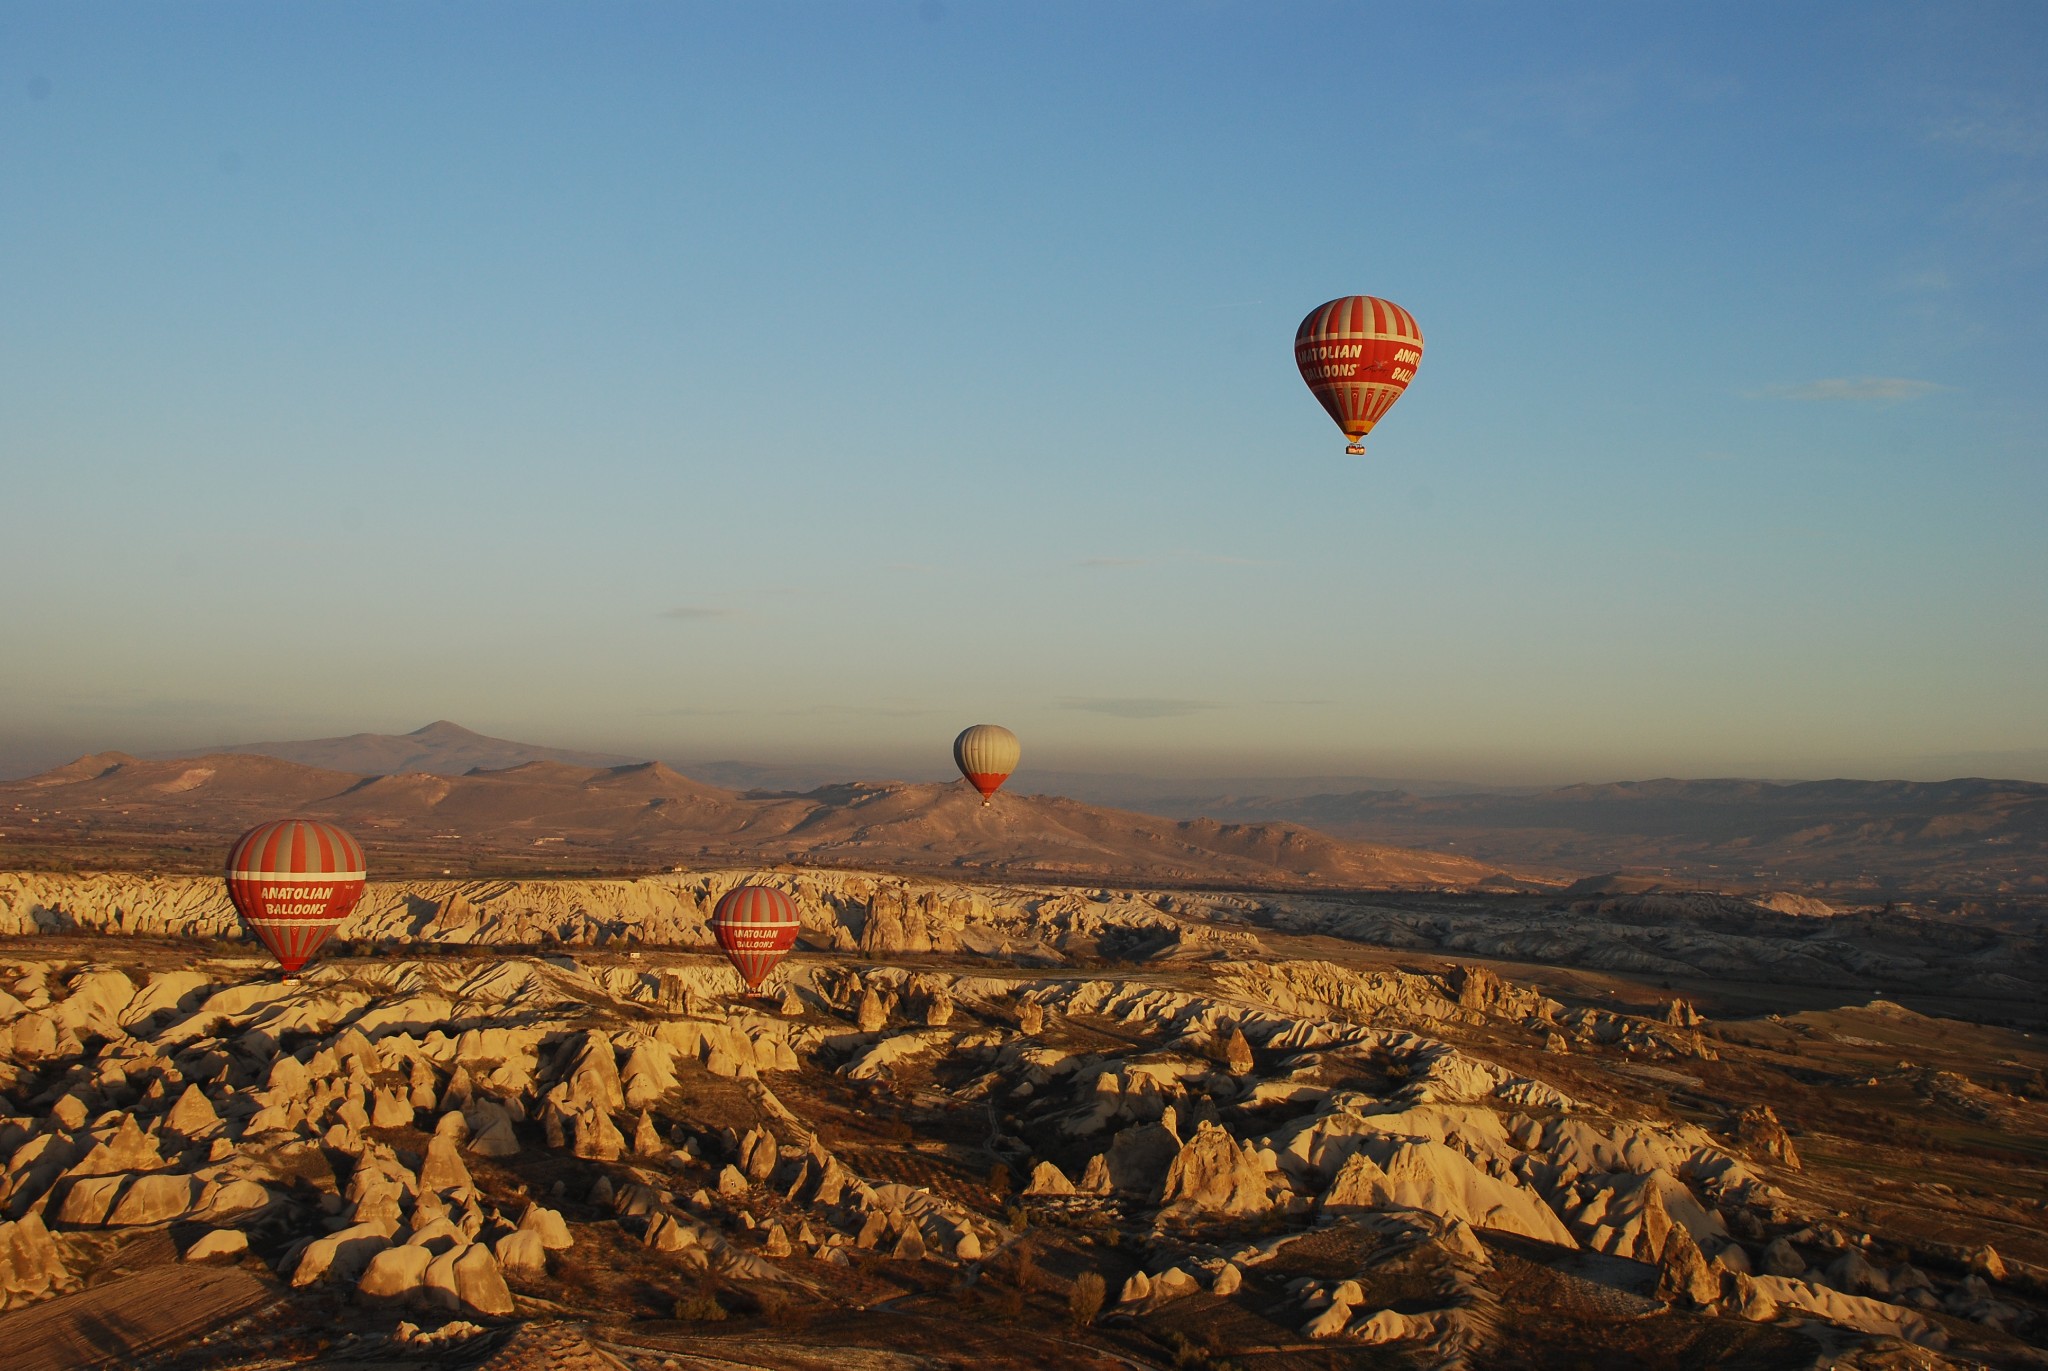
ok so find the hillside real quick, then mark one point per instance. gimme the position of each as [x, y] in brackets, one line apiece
[112, 809]
[1963, 836]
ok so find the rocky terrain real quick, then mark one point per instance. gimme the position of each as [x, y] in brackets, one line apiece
[112, 809]
[991, 1125]
[1755, 955]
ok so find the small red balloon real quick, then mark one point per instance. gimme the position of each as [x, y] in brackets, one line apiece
[756, 926]
[293, 881]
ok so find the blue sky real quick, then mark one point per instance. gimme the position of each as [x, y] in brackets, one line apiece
[807, 381]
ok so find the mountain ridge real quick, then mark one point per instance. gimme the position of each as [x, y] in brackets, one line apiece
[647, 814]
[441, 747]
[1862, 838]
[1968, 834]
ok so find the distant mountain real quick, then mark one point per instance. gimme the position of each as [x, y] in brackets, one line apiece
[1178, 795]
[1850, 838]
[1195, 795]
[439, 749]
[448, 749]
[792, 778]
[1968, 835]
[562, 816]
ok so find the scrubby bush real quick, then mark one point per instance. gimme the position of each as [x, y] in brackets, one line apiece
[1190, 1355]
[699, 1308]
[1024, 1272]
[1086, 1301]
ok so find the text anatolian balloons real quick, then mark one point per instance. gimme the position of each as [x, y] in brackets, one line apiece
[293, 881]
[1358, 354]
[986, 755]
[756, 926]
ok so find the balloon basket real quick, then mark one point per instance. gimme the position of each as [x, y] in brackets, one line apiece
[1355, 449]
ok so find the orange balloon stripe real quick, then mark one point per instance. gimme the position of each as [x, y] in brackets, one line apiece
[755, 926]
[273, 874]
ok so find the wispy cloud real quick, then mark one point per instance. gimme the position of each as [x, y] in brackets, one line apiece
[1882, 390]
[1583, 103]
[1925, 279]
[1575, 103]
[696, 613]
[1993, 126]
[1136, 706]
[806, 711]
[1206, 558]
[869, 711]
[2013, 210]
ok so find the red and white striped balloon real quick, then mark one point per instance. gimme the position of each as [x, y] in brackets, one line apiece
[293, 881]
[1358, 355]
[756, 925]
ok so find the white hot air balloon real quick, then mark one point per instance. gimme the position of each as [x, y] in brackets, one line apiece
[986, 755]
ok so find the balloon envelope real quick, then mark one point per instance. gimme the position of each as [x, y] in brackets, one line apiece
[986, 755]
[1357, 355]
[293, 881]
[756, 926]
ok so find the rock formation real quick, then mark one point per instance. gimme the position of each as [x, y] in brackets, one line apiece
[1396, 1140]
[1213, 1172]
[1757, 1129]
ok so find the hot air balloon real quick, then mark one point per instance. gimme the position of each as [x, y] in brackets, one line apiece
[293, 881]
[1358, 354]
[986, 755]
[756, 926]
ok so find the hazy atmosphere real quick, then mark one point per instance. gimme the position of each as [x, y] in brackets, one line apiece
[770, 686]
[804, 382]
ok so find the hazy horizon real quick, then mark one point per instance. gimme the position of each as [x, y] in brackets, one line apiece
[807, 770]
[799, 384]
